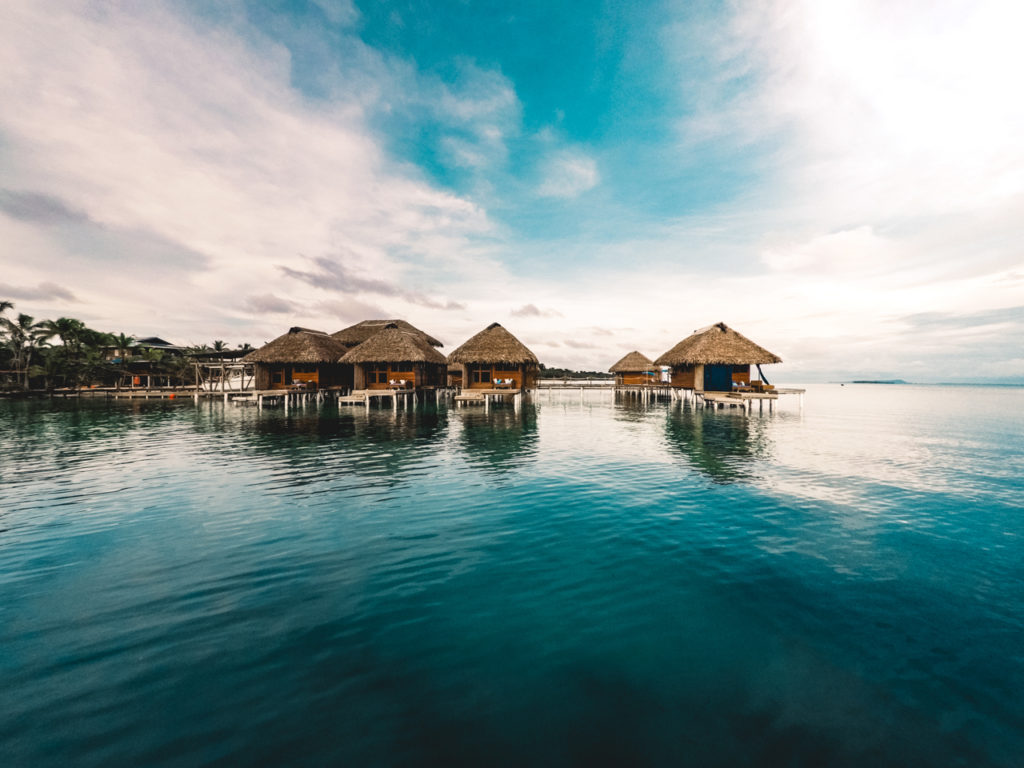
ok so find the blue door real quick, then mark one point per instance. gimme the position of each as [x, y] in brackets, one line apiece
[718, 378]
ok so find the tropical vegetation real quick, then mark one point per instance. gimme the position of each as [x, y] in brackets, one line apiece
[568, 373]
[66, 353]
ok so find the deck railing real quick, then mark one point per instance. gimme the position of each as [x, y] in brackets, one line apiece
[575, 383]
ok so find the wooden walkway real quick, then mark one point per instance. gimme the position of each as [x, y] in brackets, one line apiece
[405, 398]
[485, 397]
[746, 400]
[399, 397]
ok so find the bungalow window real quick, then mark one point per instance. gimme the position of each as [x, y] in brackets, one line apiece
[378, 375]
[409, 375]
[480, 374]
[277, 376]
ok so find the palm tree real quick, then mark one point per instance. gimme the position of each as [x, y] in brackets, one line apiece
[25, 336]
[219, 346]
[50, 366]
[71, 333]
[5, 352]
[124, 345]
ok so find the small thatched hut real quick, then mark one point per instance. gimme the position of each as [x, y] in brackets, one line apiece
[634, 370]
[714, 358]
[494, 354]
[394, 355]
[301, 357]
[360, 332]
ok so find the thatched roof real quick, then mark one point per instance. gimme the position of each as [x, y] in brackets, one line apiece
[394, 345]
[360, 332]
[299, 345]
[717, 345]
[634, 361]
[493, 345]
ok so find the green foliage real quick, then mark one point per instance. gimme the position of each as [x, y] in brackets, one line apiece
[23, 338]
[565, 373]
[67, 353]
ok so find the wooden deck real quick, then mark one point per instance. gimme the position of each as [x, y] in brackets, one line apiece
[746, 400]
[485, 397]
[404, 397]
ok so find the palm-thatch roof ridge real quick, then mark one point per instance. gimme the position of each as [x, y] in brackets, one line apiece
[717, 345]
[299, 345]
[634, 361]
[394, 345]
[493, 344]
[360, 332]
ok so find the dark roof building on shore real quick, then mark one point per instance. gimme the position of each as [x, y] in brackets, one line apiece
[495, 355]
[303, 357]
[714, 358]
[397, 353]
[360, 332]
[155, 342]
[635, 369]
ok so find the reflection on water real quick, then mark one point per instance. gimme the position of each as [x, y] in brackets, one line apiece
[727, 446]
[499, 440]
[580, 582]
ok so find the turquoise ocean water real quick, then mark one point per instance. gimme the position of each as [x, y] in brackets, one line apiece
[580, 583]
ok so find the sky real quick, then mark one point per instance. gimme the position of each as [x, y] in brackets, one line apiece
[842, 182]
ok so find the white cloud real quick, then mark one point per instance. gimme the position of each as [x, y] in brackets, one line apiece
[45, 291]
[152, 127]
[568, 173]
[532, 310]
[880, 111]
[162, 170]
[886, 174]
[851, 251]
[340, 12]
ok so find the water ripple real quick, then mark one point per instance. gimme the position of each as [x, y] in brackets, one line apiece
[578, 581]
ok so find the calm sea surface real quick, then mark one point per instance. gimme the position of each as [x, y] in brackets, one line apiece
[581, 583]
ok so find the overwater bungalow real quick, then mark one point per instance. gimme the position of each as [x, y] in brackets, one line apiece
[635, 370]
[300, 358]
[495, 359]
[356, 334]
[397, 358]
[716, 358]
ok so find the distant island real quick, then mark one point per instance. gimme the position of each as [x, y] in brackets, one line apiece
[879, 381]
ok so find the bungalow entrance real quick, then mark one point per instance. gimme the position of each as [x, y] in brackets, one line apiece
[718, 378]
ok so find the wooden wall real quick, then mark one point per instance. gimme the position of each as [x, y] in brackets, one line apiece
[523, 376]
[419, 374]
[283, 375]
[635, 379]
[684, 376]
[741, 374]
